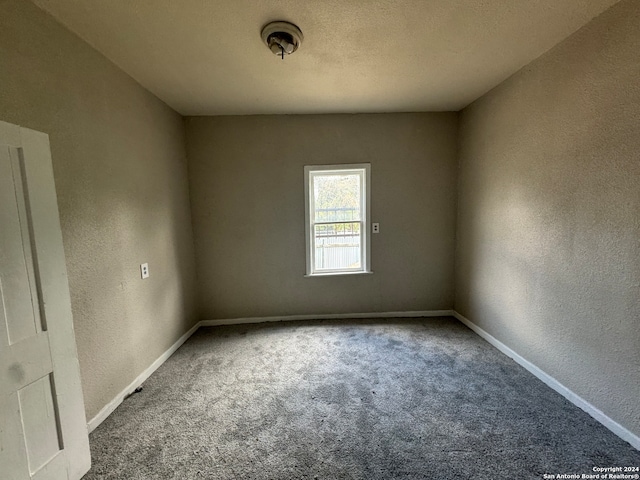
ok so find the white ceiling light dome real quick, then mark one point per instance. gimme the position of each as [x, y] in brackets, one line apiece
[282, 38]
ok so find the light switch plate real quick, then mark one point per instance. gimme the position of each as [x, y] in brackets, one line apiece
[144, 270]
[375, 227]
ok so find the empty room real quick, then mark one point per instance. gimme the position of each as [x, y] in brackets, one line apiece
[338, 239]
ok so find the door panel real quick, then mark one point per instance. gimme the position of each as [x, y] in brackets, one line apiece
[43, 432]
[40, 422]
[17, 271]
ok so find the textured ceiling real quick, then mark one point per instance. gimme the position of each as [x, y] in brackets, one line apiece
[206, 57]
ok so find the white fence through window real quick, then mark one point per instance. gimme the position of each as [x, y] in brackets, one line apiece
[338, 245]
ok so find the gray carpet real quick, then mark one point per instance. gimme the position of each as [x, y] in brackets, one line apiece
[384, 399]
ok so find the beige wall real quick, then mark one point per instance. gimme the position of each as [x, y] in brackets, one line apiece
[120, 172]
[548, 258]
[246, 177]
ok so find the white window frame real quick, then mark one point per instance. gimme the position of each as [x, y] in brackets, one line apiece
[363, 169]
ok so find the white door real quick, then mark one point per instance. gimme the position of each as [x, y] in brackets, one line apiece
[43, 431]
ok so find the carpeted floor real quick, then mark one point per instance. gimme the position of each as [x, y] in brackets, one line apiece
[384, 399]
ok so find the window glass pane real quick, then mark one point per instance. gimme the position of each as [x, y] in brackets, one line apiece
[337, 197]
[337, 246]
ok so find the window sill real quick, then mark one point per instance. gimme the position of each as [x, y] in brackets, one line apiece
[336, 274]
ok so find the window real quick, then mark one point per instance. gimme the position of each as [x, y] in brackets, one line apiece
[337, 219]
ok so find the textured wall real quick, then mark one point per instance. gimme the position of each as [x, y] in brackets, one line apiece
[246, 177]
[120, 172]
[548, 233]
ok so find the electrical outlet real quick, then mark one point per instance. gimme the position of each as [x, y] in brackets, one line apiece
[375, 227]
[144, 270]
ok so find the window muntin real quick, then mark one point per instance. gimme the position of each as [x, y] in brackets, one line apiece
[337, 214]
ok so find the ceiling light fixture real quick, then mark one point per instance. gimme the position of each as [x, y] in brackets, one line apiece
[282, 38]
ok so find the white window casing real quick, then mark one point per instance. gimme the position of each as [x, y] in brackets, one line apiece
[337, 219]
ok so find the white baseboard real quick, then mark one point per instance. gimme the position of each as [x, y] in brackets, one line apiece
[580, 402]
[113, 404]
[327, 316]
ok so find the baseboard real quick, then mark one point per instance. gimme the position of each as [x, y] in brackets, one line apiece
[329, 316]
[139, 380]
[580, 402]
